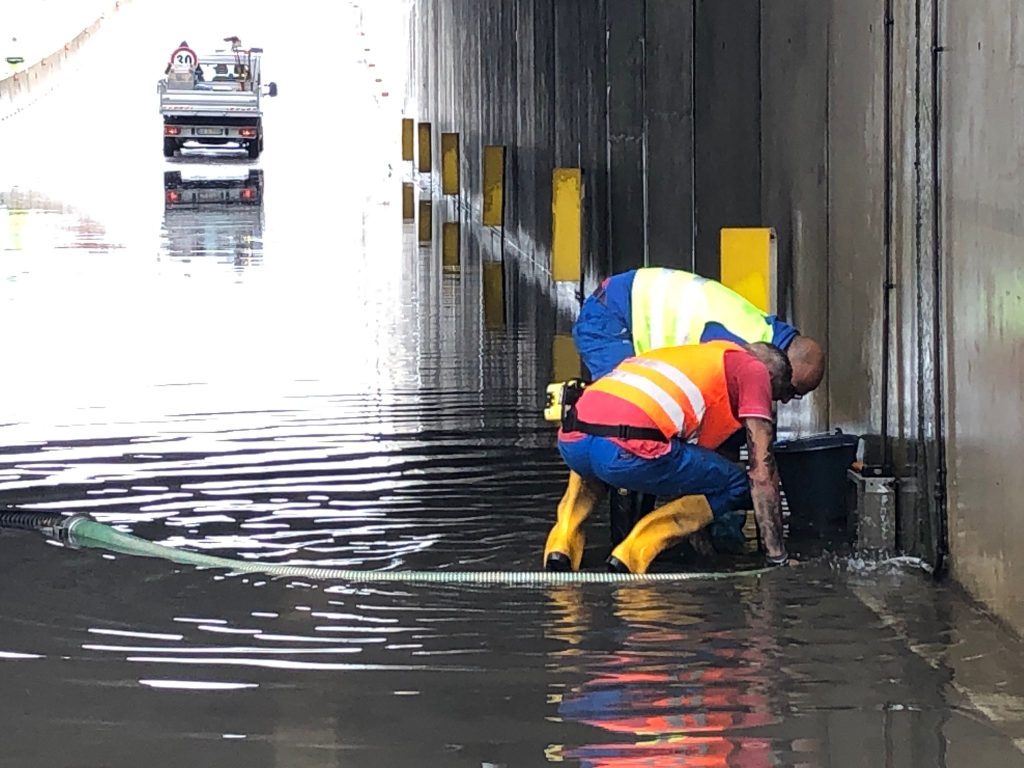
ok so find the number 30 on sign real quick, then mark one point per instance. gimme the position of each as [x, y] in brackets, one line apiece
[184, 59]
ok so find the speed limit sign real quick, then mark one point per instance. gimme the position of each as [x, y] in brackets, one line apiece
[184, 59]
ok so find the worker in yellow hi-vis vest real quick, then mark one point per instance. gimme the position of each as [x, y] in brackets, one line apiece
[653, 308]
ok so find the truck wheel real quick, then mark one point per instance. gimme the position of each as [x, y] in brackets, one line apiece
[254, 149]
[169, 147]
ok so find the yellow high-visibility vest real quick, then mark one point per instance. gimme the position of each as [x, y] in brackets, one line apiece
[671, 308]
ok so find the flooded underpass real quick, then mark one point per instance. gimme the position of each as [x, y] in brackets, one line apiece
[289, 377]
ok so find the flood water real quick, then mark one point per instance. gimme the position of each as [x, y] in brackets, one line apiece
[294, 379]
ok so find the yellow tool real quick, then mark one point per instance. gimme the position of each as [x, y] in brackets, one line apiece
[561, 395]
[564, 548]
[655, 532]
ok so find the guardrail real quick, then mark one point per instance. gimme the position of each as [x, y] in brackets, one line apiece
[26, 84]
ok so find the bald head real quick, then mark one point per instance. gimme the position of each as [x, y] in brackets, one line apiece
[808, 361]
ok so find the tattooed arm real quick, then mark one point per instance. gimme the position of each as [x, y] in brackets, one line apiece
[764, 487]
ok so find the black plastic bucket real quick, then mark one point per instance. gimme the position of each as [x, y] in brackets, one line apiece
[813, 473]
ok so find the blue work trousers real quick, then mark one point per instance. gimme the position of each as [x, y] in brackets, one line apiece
[686, 470]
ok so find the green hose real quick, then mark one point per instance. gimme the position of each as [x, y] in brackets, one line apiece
[82, 531]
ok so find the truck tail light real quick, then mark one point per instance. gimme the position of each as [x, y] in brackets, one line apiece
[248, 193]
[171, 130]
[171, 196]
[247, 133]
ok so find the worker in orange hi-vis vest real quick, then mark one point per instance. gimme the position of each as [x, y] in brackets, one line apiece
[652, 426]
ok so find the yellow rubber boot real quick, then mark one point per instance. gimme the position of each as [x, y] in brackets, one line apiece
[655, 532]
[564, 549]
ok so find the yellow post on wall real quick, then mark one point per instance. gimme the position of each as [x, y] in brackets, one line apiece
[408, 201]
[494, 294]
[449, 163]
[494, 186]
[450, 244]
[748, 262]
[426, 229]
[565, 359]
[407, 131]
[566, 224]
[426, 161]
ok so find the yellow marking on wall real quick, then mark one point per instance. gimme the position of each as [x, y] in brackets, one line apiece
[426, 228]
[494, 186]
[426, 161]
[407, 139]
[16, 218]
[748, 262]
[408, 201]
[566, 223]
[494, 294]
[449, 163]
[565, 360]
[450, 244]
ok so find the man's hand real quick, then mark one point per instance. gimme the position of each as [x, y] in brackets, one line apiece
[764, 488]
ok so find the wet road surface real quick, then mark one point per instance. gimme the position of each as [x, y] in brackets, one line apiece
[294, 380]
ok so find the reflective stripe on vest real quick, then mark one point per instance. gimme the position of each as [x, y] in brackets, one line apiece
[670, 308]
[682, 389]
[665, 410]
[680, 379]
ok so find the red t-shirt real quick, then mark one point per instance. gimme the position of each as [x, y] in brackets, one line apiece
[750, 396]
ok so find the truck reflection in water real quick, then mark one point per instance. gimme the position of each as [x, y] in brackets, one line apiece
[219, 216]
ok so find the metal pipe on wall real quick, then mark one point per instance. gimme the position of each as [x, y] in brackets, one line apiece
[938, 368]
[887, 281]
[693, 145]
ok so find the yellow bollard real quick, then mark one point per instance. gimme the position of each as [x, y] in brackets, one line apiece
[565, 360]
[494, 186]
[449, 163]
[426, 229]
[407, 142]
[494, 294]
[450, 245]
[426, 163]
[566, 224]
[748, 263]
[408, 201]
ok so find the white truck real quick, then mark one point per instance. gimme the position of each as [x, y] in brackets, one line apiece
[213, 100]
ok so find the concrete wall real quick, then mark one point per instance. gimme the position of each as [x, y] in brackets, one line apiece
[982, 183]
[912, 196]
[607, 86]
[879, 137]
[794, 152]
[727, 123]
[848, 182]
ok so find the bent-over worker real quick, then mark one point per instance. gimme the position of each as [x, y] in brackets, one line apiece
[652, 426]
[651, 308]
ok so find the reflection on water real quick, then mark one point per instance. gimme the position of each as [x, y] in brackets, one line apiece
[413, 441]
[667, 694]
[214, 214]
[417, 443]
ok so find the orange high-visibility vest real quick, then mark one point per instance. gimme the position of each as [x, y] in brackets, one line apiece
[682, 389]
